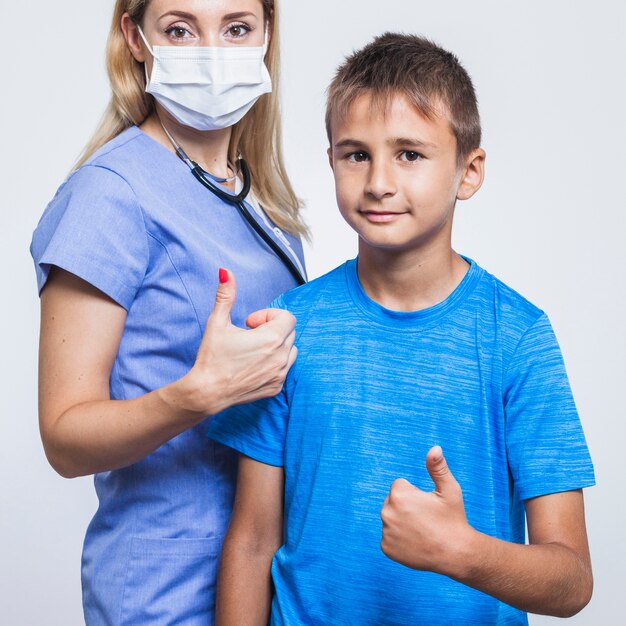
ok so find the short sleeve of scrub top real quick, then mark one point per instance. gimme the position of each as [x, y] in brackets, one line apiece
[105, 245]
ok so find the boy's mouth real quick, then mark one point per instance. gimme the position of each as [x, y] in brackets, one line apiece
[382, 216]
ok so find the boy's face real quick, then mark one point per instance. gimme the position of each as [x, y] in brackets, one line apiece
[397, 176]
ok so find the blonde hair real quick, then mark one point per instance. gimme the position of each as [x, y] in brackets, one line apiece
[257, 137]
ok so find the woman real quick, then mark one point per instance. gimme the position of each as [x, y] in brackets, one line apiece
[134, 352]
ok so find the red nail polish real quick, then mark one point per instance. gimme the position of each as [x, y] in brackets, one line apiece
[223, 275]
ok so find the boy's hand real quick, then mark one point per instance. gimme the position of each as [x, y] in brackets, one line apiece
[426, 531]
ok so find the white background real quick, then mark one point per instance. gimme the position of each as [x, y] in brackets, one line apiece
[550, 221]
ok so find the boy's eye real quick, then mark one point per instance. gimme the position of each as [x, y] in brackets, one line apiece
[358, 157]
[410, 155]
[236, 31]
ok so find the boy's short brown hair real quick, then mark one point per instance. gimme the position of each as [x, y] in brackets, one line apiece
[426, 74]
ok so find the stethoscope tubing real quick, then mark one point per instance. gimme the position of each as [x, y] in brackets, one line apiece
[237, 200]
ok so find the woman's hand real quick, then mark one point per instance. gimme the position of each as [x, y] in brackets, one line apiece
[84, 431]
[234, 366]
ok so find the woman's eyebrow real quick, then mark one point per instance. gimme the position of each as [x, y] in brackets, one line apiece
[238, 15]
[182, 14]
[191, 17]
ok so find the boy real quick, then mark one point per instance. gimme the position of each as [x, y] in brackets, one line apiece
[407, 347]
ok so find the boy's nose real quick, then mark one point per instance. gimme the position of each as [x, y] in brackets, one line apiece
[381, 181]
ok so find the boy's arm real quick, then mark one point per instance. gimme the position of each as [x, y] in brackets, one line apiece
[244, 590]
[429, 531]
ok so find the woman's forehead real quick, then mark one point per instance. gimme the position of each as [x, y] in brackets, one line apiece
[205, 8]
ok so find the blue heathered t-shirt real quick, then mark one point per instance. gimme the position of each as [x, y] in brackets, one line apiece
[372, 390]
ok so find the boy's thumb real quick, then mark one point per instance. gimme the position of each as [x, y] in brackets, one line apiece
[224, 298]
[438, 469]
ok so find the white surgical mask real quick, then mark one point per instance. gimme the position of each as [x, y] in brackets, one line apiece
[207, 88]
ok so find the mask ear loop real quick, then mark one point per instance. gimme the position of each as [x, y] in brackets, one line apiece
[266, 39]
[150, 50]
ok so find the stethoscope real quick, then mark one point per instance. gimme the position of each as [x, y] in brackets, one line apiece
[237, 200]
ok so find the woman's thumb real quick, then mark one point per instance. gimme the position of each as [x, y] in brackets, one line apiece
[224, 298]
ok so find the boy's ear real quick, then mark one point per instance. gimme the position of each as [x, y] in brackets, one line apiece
[473, 174]
[329, 152]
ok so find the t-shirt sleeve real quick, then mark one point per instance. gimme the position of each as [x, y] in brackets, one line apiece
[258, 429]
[94, 229]
[546, 446]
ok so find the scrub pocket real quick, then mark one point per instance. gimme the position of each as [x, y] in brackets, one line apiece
[170, 581]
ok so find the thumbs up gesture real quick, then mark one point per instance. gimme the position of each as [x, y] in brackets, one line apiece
[425, 530]
[234, 366]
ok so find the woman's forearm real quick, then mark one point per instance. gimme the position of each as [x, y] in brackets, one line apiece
[84, 431]
[104, 435]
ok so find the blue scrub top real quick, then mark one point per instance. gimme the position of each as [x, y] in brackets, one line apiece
[136, 224]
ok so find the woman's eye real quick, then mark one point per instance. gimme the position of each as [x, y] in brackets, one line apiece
[178, 33]
[409, 155]
[358, 157]
[236, 31]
